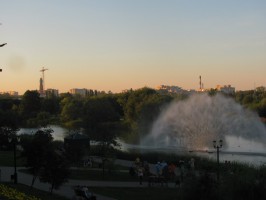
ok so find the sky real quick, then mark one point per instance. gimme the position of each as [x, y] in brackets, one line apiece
[122, 44]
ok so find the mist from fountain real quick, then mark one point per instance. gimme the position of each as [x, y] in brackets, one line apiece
[195, 122]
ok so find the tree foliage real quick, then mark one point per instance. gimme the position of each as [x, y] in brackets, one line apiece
[8, 128]
[71, 112]
[30, 104]
[36, 150]
[56, 170]
[43, 159]
[141, 108]
[253, 99]
[101, 121]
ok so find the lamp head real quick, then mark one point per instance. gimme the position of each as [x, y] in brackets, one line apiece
[221, 143]
[214, 143]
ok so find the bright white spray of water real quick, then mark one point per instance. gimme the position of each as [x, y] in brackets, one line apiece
[195, 122]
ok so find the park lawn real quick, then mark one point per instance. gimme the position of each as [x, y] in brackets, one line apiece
[33, 192]
[7, 159]
[144, 193]
[97, 174]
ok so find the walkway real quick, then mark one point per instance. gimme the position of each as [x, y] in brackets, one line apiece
[66, 189]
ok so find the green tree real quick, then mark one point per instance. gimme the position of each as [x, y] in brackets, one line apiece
[56, 170]
[30, 104]
[71, 114]
[43, 119]
[141, 107]
[262, 108]
[36, 150]
[76, 146]
[248, 99]
[51, 105]
[97, 113]
[8, 128]
[101, 121]
[212, 92]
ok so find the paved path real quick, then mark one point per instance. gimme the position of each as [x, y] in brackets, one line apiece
[67, 188]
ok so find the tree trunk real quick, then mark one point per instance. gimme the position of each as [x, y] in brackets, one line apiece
[33, 181]
[103, 163]
[52, 187]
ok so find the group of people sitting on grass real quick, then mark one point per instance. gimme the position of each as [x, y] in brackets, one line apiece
[163, 171]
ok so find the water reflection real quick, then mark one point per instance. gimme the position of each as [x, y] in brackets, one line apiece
[237, 148]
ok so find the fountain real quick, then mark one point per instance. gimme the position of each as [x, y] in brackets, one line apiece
[194, 123]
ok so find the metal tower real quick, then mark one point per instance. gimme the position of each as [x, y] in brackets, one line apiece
[200, 83]
[43, 88]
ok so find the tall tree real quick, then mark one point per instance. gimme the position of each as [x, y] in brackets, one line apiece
[51, 105]
[71, 114]
[36, 150]
[56, 170]
[141, 107]
[8, 127]
[30, 104]
[101, 121]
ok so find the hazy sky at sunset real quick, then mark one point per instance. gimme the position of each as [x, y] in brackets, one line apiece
[121, 44]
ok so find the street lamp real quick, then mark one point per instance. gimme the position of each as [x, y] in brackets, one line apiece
[14, 141]
[1, 45]
[217, 146]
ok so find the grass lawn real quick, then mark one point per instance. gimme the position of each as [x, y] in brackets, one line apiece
[152, 193]
[33, 192]
[97, 174]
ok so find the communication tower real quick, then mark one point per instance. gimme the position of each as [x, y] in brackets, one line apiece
[42, 88]
[200, 84]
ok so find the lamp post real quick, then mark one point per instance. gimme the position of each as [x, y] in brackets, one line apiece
[217, 146]
[14, 141]
[1, 45]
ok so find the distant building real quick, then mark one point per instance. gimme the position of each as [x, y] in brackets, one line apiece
[170, 89]
[76, 91]
[11, 93]
[226, 89]
[51, 92]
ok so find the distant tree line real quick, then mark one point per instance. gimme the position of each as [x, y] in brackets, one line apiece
[253, 99]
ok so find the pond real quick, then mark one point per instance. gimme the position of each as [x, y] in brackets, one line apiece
[237, 148]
